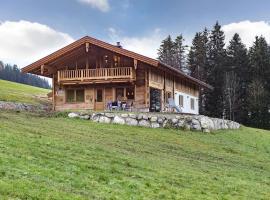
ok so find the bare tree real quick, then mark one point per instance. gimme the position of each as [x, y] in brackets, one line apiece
[231, 94]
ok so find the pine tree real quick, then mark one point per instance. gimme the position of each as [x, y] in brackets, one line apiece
[237, 68]
[198, 61]
[214, 104]
[179, 53]
[259, 88]
[166, 51]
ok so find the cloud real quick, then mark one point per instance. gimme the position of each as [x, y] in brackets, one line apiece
[102, 5]
[146, 45]
[23, 42]
[247, 31]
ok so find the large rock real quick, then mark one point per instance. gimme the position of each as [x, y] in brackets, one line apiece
[85, 117]
[153, 119]
[73, 115]
[132, 115]
[155, 125]
[207, 123]
[118, 120]
[131, 121]
[110, 115]
[104, 119]
[144, 123]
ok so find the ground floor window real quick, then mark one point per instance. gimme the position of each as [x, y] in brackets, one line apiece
[181, 100]
[75, 95]
[119, 92]
[192, 103]
[168, 96]
[130, 93]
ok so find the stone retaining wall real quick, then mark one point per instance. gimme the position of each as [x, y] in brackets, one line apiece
[6, 105]
[160, 120]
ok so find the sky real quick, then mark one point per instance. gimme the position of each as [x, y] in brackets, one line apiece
[31, 29]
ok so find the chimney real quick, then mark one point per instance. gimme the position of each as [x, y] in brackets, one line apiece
[118, 45]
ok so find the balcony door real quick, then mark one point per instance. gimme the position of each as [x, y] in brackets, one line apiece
[99, 99]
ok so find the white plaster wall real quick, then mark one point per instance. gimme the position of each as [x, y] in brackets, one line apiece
[187, 105]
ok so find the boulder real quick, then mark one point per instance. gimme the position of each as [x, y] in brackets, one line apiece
[155, 125]
[110, 115]
[144, 123]
[85, 117]
[73, 115]
[132, 115]
[174, 120]
[118, 120]
[104, 119]
[131, 121]
[124, 115]
[153, 119]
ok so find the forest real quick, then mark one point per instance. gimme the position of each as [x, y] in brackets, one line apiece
[12, 73]
[240, 75]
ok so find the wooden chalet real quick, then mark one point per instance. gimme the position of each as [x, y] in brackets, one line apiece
[89, 73]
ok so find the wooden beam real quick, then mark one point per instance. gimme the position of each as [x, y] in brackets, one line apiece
[87, 46]
[135, 64]
[42, 69]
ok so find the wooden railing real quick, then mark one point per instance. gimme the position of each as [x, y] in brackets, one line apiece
[96, 74]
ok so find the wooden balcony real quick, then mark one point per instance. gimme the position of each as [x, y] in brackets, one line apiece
[95, 75]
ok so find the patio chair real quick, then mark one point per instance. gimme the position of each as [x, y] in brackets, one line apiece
[171, 104]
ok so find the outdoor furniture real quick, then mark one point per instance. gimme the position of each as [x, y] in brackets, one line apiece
[129, 106]
[115, 105]
[172, 105]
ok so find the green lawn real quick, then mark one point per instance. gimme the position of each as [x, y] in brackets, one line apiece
[16, 92]
[60, 158]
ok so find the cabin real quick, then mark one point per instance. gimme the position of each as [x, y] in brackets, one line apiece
[92, 74]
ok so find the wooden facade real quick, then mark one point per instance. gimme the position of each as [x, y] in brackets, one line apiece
[89, 73]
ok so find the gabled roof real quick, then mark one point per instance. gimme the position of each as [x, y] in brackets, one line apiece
[90, 40]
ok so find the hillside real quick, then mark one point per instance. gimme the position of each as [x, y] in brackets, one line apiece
[16, 92]
[59, 158]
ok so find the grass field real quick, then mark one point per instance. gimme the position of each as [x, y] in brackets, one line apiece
[16, 92]
[60, 158]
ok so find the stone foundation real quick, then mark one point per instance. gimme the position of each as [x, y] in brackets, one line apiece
[160, 120]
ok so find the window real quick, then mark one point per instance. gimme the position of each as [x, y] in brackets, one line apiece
[70, 96]
[119, 93]
[192, 103]
[181, 100]
[79, 95]
[75, 95]
[168, 96]
[130, 93]
[99, 95]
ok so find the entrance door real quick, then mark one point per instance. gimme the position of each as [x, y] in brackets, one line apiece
[99, 99]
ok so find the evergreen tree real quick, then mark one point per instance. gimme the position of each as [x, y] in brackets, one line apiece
[214, 104]
[198, 61]
[13, 73]
[237, 68]
[179, 53]
[259, 88]
[173, 52]
[166, 51]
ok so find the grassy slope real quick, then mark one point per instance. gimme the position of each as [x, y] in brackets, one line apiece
[16, 92]
[58, 158]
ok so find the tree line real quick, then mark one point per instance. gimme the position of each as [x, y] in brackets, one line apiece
[12, 73]
[240, 76]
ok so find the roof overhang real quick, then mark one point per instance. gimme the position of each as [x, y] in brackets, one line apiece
[83, 41]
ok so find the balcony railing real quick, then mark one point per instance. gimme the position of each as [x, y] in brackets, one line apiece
[95, 74]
